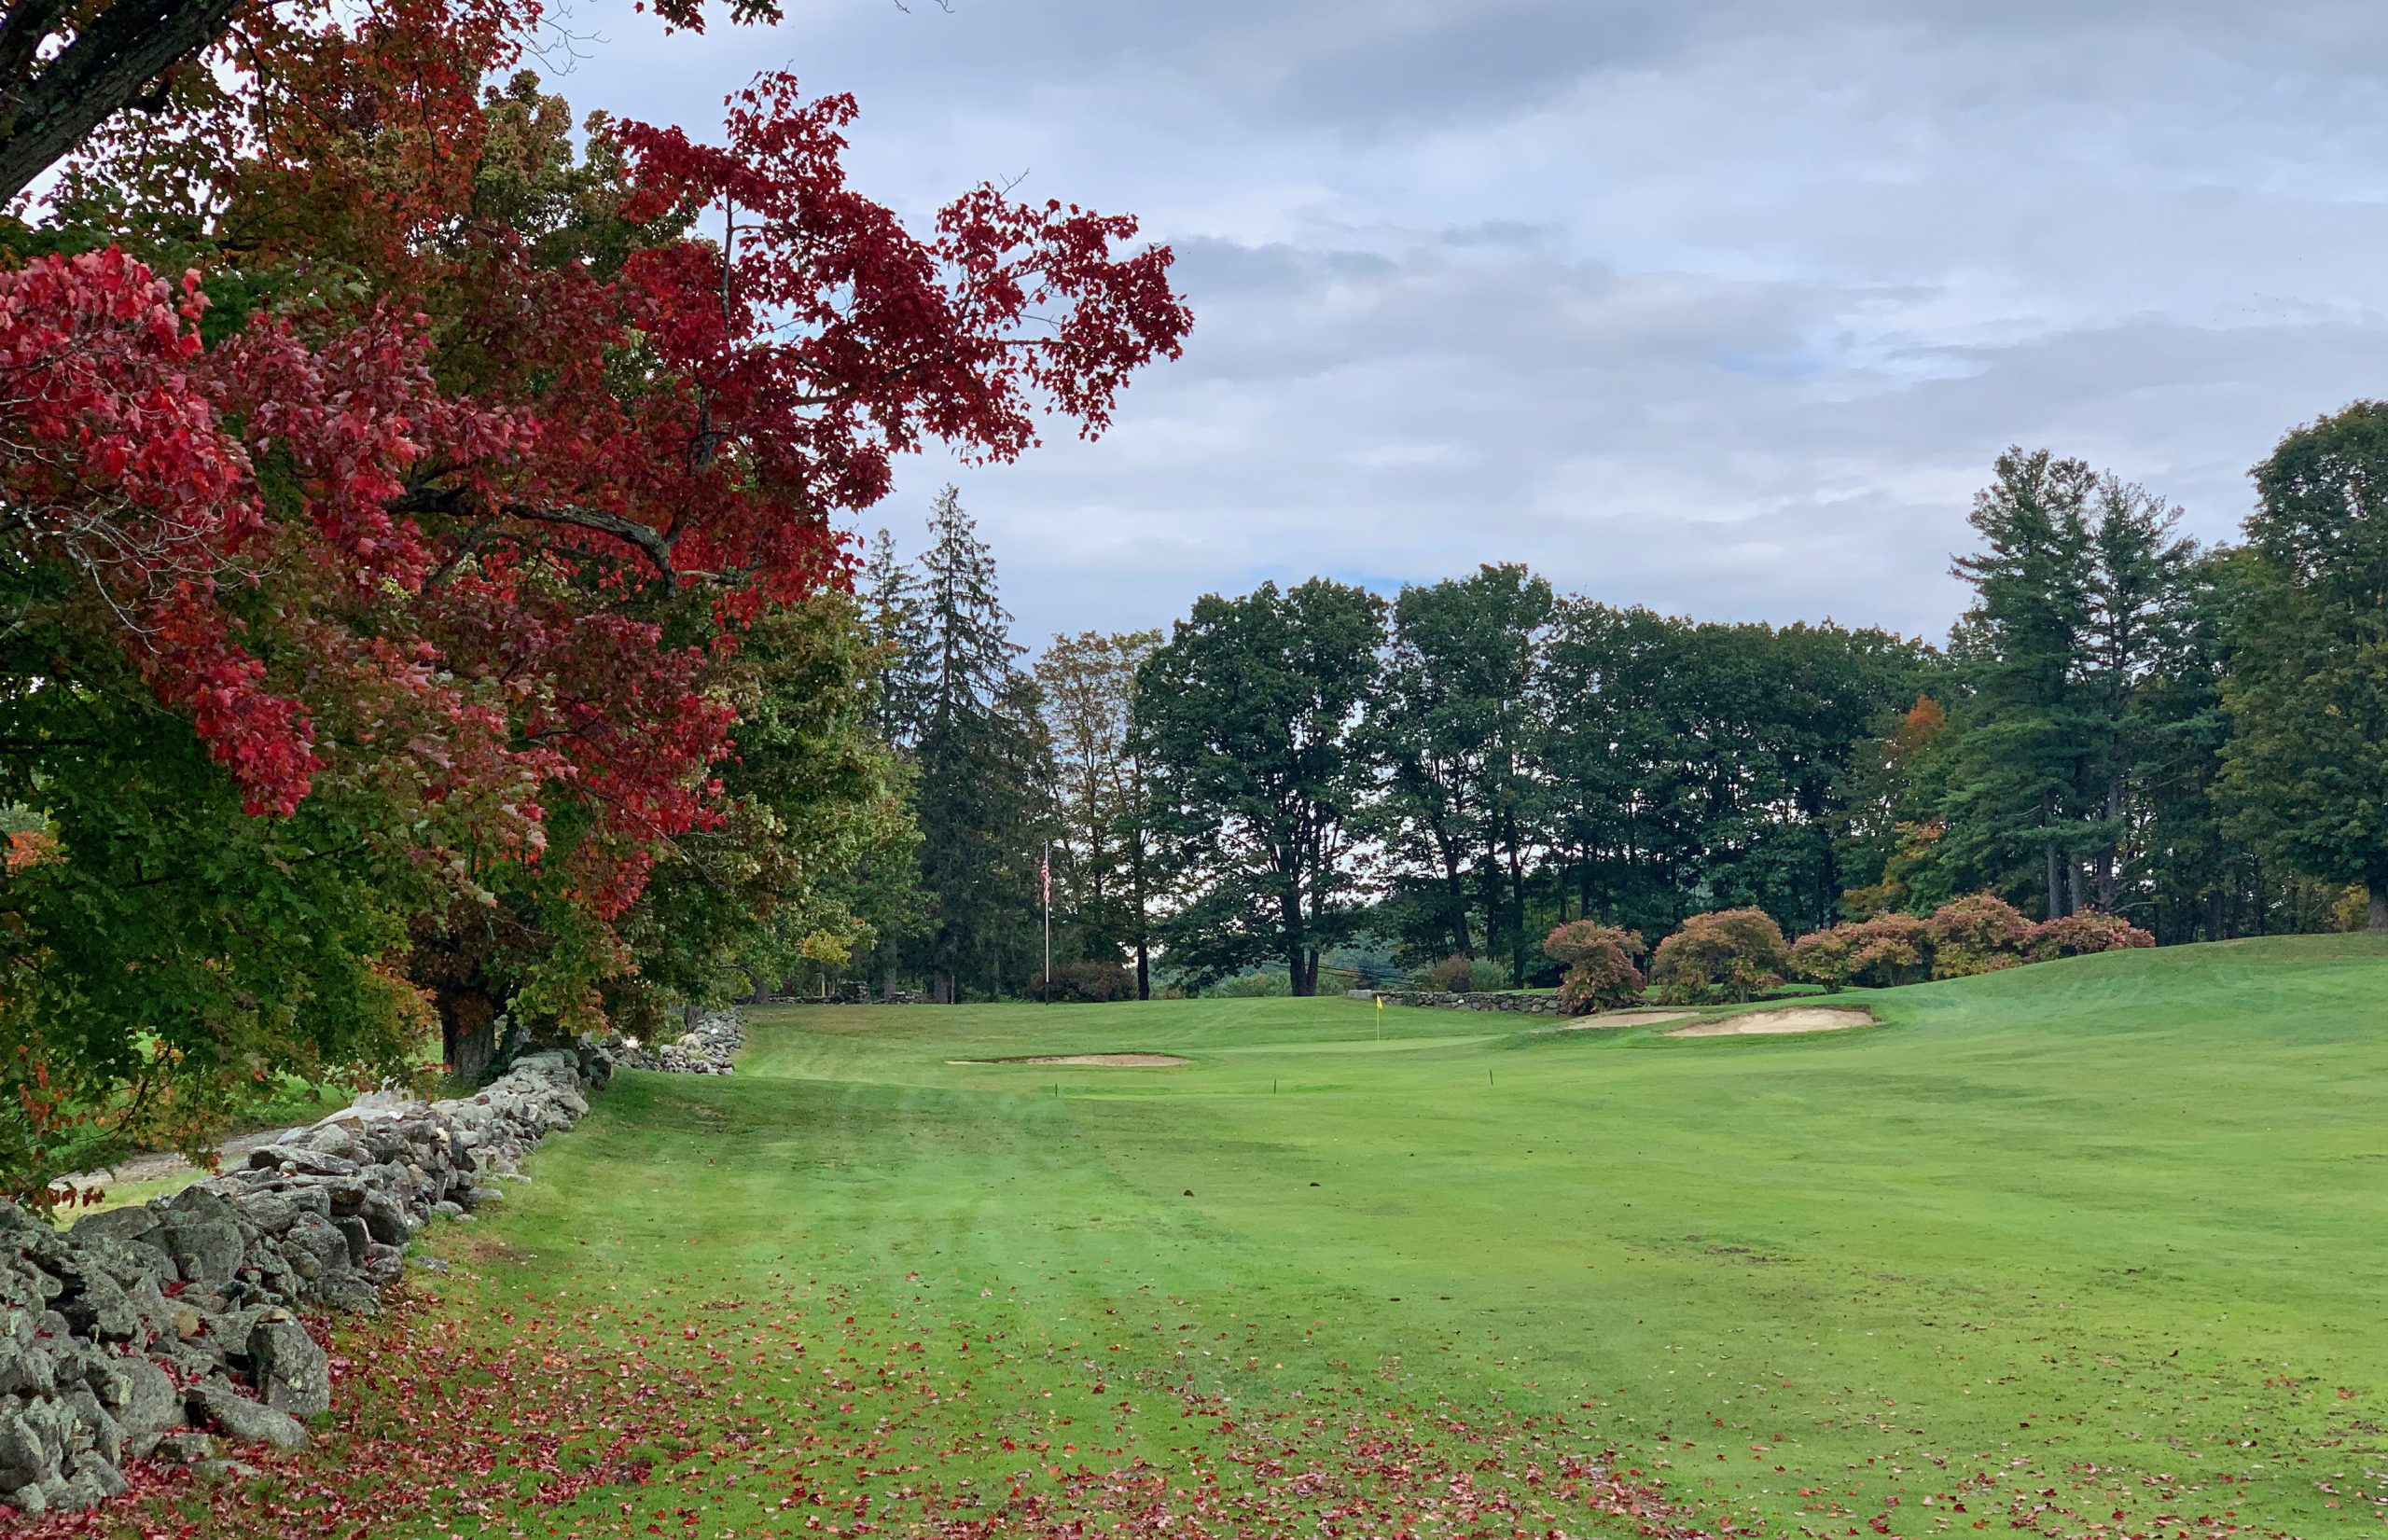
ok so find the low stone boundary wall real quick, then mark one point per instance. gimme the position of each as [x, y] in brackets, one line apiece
[1522, 1001]
[129, 1334]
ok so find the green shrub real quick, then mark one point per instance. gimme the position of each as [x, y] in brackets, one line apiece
[2080, 934]
[1979, 933]
[1601, 975]
[1731, 955]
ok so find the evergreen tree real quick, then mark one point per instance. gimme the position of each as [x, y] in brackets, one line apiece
[2135, 579]
[895, 611]
[2024, 749]
[982, 768]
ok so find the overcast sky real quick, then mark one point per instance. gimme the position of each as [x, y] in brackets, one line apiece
[1724, 309]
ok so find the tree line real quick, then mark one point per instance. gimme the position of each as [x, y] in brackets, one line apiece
[2121, 724]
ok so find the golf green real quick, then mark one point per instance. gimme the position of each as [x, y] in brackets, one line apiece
[2089, 1248]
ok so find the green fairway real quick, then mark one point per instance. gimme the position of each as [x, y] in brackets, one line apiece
[2096, 1245]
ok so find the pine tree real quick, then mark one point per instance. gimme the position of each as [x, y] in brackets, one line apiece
[2136, 585]
[982, 766]
[2023, 754]
[894, 610]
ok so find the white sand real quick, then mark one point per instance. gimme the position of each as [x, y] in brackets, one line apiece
[1623, 1018]
[1767, 1023]
[1107, 1061]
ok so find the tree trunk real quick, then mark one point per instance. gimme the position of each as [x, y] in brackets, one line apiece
[2056, 879]
[467, 1030]
[1516, 911]
[1455, 899]
[941, 989]
[2074, 884]
[2376, 917]
[2110, 858]
[1289, 914]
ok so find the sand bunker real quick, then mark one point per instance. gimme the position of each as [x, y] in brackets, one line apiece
[1623, 1018]
[1766, 1023]
[1106, 1060]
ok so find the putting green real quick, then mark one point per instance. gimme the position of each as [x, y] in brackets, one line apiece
[2094, 1247]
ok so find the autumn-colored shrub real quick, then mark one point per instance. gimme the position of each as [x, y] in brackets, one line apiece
[1878, 954]
[1731, 955]
[2080, 934]
[1824, 956]
[1601, 972]
[1460, 974]
[1092, 981]
[1451, 972]
[1979, 933]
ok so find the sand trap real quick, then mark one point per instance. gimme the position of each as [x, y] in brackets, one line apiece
[1106, 1060]
[1623, 1018]
[1766, 1023]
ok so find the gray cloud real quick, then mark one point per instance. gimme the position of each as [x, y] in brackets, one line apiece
[1720, 307]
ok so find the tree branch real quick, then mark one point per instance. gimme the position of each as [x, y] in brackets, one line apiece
[113, 64]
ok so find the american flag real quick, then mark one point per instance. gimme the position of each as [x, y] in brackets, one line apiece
[1044, 876]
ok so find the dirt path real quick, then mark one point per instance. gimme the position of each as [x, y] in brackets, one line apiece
[159, 1165]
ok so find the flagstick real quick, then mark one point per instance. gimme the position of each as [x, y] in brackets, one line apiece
[1047, 872]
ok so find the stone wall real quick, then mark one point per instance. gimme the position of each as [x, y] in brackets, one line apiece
[1522, 1001]
[144, 1332]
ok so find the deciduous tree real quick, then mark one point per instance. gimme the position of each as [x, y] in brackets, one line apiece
[1249, 719]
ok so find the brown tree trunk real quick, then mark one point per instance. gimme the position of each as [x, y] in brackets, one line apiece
[2056, 882]
[467, 1030]
[2376, 915]
[1289, 915]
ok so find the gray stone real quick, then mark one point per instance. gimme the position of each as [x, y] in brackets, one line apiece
[100, 1475]
[290, 1368]
[99, 1431]
[28, 1369]
[149, 1406]
[268, 1213]
[356, 1295]
[186, 1449]
[251, 1421]
[384, 1220]
[302, 1159]
[205, 1251]
[102, 1309]
[119, 1224]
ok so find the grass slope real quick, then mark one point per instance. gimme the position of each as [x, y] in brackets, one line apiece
[2090, 1248]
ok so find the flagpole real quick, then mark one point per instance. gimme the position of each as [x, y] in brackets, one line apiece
[1045, 873]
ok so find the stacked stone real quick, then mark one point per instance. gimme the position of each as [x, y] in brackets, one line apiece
[125, 1335]
[1521, 1001]
[708, 1047]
